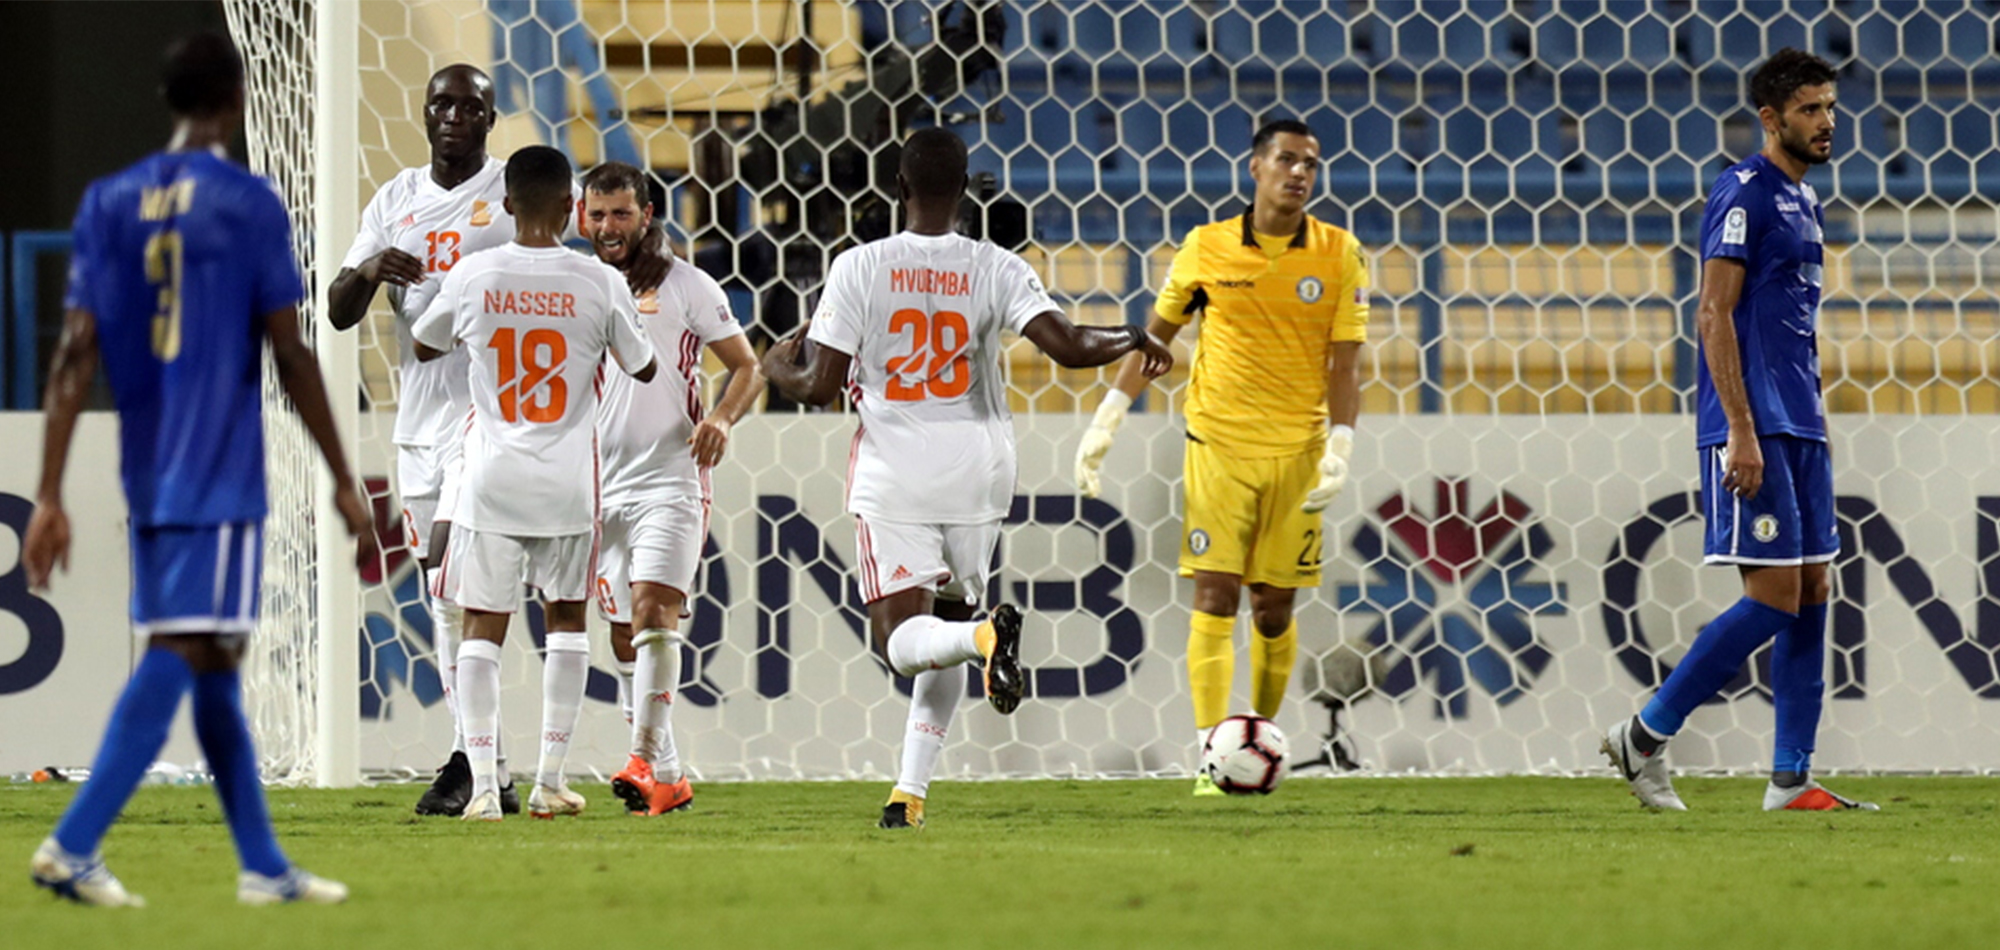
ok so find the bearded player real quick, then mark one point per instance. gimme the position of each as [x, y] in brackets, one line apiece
[914, 322]
[1760, 434]
[656, 446]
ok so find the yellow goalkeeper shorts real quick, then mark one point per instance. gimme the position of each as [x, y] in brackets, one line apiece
[1243, 517]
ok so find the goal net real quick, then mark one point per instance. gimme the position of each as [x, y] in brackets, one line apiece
[1515, 562]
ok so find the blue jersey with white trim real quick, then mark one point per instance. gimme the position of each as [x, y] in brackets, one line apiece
[180, 257]
[1757, 215]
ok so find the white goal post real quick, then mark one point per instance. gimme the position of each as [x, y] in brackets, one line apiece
[1518, 550]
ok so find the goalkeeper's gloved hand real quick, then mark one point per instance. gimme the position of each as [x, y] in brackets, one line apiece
[1332, 468]
[1097, 441]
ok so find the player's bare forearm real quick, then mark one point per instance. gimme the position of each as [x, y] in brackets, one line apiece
[1078, 347]
[299, 377]
[71, 372]
[818, 381]
[1721, 287]
[1132, 379]
[1343, 383]
[347, 298]
[739, 391]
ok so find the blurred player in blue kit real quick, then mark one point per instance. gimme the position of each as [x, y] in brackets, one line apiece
[1766, 473]
[182, 269]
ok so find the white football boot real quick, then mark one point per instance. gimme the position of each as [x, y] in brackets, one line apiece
[483, 808]
[1647, 774]
[83, 880]
[546, 803]
[296, 886]
[1812, 796]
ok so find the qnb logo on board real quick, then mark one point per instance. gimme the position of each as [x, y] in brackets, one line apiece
[1457, 590]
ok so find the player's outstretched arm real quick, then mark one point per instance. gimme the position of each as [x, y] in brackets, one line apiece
[298, 375]
[815, 382]
[347, 298]
[711, 435]
[1131, 380]
[70, 375]
[1721, 287]
[1078, 347]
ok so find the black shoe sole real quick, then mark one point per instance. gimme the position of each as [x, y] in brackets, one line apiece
[510, 800]
[1004, 679]
[895, 816]
[633, 797]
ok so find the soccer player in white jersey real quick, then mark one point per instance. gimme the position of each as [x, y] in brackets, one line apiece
[912, 324]
[655, 449]
[538, 320]
[415, 229]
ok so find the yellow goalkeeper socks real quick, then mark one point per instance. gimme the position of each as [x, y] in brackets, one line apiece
[1271, 660]
[1211, 660]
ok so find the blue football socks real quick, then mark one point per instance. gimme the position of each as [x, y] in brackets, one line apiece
[132, 740]
[1716, 656]
[1798, 684]
[225, 740]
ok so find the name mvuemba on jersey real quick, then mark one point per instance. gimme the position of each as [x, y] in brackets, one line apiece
[537, 322]
[921, 315]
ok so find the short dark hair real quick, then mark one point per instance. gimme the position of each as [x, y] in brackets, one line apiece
[1275, 128]
[202, 74]
[1780, 77]
[611, 178]
[538, 179]
[933, 163]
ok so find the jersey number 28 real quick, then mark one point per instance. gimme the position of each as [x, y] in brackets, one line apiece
[939, 339]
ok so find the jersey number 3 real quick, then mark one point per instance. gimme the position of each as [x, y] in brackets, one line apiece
[163, 268]
[939, 340]
[541, 353]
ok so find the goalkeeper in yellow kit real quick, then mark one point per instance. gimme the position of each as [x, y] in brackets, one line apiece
[1270, 414]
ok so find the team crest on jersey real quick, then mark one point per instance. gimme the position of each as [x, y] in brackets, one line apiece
[649, 302]
[1310, 290]
[481, 214]
[1765, 528]
[1198, 542]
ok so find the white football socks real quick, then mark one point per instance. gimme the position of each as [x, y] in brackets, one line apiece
[447, 629]
[657, 679]
[479, 701]
[564, 675]
[924, 643]
[624, 671]
[933, 699]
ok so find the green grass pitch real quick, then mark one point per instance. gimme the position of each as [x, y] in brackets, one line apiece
[1472, 863]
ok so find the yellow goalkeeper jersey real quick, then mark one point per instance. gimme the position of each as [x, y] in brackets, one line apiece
[1269, 307]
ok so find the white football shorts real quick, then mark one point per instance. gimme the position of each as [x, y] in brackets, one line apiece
[484, 571]
[658, 542]
[954, 560]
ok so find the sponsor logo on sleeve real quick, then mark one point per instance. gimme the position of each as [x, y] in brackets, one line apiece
[1735, 227]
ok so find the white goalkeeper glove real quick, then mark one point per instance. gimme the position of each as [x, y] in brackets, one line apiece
[1332, 469]
[1097, 441]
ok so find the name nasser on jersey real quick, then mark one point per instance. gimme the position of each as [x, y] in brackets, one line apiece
[531, 303]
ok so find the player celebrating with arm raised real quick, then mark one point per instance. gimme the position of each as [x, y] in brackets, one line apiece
[656, 448]
[182, 269]
[538, 320]
[917, 318]
[1271, 407]
[413, 232]
[1766, 472]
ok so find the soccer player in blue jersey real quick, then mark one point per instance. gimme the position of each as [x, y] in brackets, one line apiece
[182, 268]
[1766, 474]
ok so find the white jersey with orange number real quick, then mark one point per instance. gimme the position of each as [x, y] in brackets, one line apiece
[643, 428]
[538, 322]
[921, 315]
[439, 226]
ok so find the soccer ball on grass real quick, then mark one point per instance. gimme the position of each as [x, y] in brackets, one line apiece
[1245, 755]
